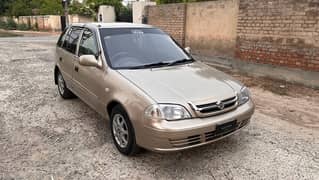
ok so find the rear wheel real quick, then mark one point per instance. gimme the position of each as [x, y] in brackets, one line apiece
[63, 90]
[122, 132]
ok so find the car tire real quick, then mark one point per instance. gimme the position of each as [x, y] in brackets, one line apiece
[63, 90]
[123, 132]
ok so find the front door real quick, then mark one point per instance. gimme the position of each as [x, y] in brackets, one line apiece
[90, 79]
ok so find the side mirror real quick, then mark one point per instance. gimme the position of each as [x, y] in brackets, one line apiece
[89, 60]
[188, 50]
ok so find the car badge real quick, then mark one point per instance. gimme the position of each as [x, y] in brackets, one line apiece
[220, 105]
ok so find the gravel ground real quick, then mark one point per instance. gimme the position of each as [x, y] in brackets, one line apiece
[45, 137]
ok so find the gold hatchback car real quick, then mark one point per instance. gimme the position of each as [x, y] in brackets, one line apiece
[154, 93]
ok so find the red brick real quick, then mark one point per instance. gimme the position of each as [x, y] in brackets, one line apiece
[281, 37]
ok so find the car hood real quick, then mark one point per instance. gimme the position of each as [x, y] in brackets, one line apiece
[195, 82]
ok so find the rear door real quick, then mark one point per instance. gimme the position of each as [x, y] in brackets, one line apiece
[67, 56]
[64, 64]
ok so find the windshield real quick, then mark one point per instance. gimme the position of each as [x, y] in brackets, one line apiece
[140, 47]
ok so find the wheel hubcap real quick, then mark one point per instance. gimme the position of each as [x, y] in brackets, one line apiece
[120, 130]
[61, 84]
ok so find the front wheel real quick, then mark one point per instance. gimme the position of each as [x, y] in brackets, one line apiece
[122, 132]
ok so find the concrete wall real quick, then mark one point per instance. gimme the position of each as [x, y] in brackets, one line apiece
[42, 22]
[138, 10]
[279, 32]
[5, 18]
[170, 18]
[211, 27]
[79, 19]
[50, 22]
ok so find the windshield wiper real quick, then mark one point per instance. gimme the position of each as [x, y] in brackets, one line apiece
[182, 61]
[162, 63]
[151, 65]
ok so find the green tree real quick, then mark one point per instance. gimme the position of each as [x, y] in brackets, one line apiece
[20, 8]
[125, 14]
[50, 7]
[81, 9]
[4, 6]
[33, 7]
[95, 4]
[54, 7]
[122, 13]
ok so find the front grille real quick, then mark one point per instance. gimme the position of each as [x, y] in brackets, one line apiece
[217, 107]
[220, 131]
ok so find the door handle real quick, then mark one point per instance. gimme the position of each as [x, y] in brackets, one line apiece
[76, 68]
[60, 59]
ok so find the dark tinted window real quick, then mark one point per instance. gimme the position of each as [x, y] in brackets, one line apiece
[62, 38]
[72, 39]
[88, 45]
[134, 47]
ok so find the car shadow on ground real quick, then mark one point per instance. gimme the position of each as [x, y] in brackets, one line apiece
[200, 159]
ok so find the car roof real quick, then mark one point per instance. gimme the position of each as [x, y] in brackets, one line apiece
[112, 25]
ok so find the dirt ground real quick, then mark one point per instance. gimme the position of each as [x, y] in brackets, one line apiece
[7, 34]
[14, 33]
[45, 137]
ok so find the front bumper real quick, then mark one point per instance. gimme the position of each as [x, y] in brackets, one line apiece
[165, 136]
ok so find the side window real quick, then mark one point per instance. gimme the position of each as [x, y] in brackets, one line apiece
[72, 39]
[88, 45]
[62, 38]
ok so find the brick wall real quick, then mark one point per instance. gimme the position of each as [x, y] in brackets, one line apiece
[170, 18]
[279, 32]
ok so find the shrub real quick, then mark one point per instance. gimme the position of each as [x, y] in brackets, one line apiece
[29, 23]
[11, 24]
[23, 27]
[35, 27]
[124, 15]
[3, 24]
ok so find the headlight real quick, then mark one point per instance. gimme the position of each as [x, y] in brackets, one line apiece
[167, 111]
[243, 96]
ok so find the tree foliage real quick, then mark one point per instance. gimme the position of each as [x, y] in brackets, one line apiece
[54, 7]
[30, 7]
[95, 4]
[91, 7]
[81, 9]
[124, 14]
[4, 6]
[50, 7]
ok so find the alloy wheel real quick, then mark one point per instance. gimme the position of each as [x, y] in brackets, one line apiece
[61, 84]
[120, 130]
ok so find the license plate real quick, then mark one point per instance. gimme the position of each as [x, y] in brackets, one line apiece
[226, 127]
